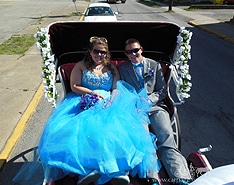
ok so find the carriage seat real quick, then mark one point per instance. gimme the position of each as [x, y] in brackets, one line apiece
[64, 72]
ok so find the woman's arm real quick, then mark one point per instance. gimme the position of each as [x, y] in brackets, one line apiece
[116, 76]
[76, 78]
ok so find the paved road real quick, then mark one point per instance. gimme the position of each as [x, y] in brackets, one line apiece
[38, 120]
[219, 14]
[19, 14]
[21, 76]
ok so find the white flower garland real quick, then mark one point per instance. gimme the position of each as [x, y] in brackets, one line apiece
[48, 68]
[180, 59]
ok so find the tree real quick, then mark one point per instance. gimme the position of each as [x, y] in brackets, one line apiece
[170, 5]
[232, 20]
[74, 1]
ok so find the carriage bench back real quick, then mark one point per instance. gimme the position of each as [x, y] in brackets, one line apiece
[65, 72]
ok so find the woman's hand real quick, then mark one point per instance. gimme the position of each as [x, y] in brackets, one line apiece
[107, 104]
[98, 95]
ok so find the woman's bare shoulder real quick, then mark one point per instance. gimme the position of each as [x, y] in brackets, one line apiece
[80, 65]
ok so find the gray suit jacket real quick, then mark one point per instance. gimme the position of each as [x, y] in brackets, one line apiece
[155, 85]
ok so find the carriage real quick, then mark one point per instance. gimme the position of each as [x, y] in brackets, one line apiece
[62, 45]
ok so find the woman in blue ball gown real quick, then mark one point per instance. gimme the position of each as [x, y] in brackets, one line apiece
[98, 130]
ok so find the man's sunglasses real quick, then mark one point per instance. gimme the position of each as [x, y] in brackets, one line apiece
[135, 50]
[96, 51]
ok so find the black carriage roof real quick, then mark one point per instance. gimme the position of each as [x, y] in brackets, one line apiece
[74, 36]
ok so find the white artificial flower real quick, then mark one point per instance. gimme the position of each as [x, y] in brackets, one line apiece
[188, 76]
[185, 95]
[46, 42]
[189, 56]
[186, 66]
[187, 89]
[51, 57]
[179, 39]
[50, 99]
[182, 29]
[182, 69]
[51, 67]
[180, 59]
[189, 84]
[180, 81]
[48, 69]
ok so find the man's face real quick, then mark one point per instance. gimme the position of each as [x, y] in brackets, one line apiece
[133, 52]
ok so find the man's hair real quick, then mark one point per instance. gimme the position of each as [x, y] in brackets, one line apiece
[131, 41]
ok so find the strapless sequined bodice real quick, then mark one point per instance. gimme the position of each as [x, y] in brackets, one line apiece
[92, 81]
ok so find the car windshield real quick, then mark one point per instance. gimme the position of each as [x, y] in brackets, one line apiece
[99, 11]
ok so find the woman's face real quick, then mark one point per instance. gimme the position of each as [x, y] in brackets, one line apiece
[98, 54]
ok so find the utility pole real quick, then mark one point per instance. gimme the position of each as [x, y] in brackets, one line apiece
[170, 5]
[232, 20]
[74, 1]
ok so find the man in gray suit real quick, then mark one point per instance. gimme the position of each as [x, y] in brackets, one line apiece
[141, 72]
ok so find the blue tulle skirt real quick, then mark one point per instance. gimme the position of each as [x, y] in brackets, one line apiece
[111, 139]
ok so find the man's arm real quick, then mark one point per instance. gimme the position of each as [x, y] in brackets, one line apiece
[159, 87]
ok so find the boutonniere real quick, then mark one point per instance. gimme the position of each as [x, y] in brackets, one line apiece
[88, 100]
[150, 73]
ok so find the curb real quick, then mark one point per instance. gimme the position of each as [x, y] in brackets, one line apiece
[212, 32]
[214, 6]
[20, 127]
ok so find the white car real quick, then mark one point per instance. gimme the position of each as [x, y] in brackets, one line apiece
[99, 12]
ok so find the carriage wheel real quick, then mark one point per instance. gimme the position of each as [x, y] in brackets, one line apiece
[175, 125]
